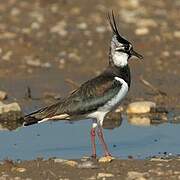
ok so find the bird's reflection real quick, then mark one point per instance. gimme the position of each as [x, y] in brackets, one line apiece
[112, 120]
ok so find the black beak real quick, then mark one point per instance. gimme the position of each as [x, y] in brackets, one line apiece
[134, 53]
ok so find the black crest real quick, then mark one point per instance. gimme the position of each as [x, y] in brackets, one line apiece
[112, 22]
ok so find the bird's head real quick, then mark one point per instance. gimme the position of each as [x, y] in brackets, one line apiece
[121, 50]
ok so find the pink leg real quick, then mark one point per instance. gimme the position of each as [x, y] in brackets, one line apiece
[101, 138]
[93, 134]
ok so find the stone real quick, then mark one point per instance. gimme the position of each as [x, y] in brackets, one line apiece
[87, 165]
[59, 28]
[82, 26]
[36, 62]
[5, 108]
[159, 159]
[100, 29]
[3, 95]
[134, 175]
[146, 23]
[140, 107]
[142, 31]
[19, 169]
[177, 34]
[7, 56]
[66, 162]
[106, 159]
[104, 175]
[58, 160]
[71, 163]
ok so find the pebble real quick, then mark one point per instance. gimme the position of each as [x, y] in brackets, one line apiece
[87, 165]
[142, 31]
[59, 28]
[134, 175]
[159, 159]
[177, 53]
[20, 169]
[106, 159]
[140, 107]
[35, 25]
[104, 175]
[166, 53]
[92, 178]
[58, 160]
[61, 63]
[3, 95]
[37, 16]
[100, 29]
[15, 11]
[71, 163]
[5, 108]
[63, 161]
[177, 34]
[54, 8]
[37, 63]
[74, 56]
[82, 26]
[7, 56]
[146, 23]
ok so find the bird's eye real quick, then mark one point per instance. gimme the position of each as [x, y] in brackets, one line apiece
[127, 48]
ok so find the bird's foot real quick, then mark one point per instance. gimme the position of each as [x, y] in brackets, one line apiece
[106, 158]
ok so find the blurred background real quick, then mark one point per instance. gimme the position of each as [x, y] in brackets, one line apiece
[49, 47]
[46, 44]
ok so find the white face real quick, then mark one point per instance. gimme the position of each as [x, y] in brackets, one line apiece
[119, 52]
[120, 59]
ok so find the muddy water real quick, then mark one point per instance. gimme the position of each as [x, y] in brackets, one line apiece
[72, 140]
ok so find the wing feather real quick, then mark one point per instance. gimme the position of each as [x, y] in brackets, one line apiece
[87, 98]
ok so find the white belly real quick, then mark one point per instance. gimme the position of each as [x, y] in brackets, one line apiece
[102, 111]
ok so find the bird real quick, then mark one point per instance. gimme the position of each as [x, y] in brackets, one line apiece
[97, 96]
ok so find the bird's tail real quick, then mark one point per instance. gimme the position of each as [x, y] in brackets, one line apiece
[40, 115]
[30, 120]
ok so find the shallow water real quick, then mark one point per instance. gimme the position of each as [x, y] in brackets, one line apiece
[65, 140]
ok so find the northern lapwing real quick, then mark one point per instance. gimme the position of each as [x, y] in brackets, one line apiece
[98, 96]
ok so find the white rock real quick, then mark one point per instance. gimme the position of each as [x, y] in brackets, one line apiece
[134, 175]
[177, 34]
[87, 165]
[82, 26]
[37, 63]
[35, 25]
[140, 107]
[7, 56]
[15, 11]
[142, 31]
[104, 175]
[59, 28]
[71, 163]
[100, 29]
[3, 95]
[67, 162]
[106, 159]
[160, 159]
[139, 121]
[5, 108]
[58, 160]
[146, 23]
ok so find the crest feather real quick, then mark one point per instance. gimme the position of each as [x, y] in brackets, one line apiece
[112, 21]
